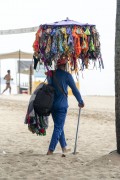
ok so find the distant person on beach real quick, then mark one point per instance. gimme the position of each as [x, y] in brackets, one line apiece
[60, 104]
[8, 79]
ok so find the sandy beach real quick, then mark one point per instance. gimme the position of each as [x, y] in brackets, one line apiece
[23, 154]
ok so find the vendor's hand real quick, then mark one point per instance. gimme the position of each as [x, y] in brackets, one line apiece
[81, 105]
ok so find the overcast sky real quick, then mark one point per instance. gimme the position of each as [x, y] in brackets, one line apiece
[29, 13]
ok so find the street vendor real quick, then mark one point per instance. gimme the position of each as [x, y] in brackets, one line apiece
[60, 105]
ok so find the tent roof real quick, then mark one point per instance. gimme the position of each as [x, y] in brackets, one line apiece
[68, 22]
[16, 55]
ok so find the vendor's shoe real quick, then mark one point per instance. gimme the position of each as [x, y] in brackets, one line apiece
[65, 150]
[50, 152]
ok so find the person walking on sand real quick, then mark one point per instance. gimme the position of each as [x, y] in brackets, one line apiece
[8, 79]
[60, 104]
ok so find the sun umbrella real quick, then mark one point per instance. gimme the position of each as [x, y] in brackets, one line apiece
[80, 42]
[67, 22]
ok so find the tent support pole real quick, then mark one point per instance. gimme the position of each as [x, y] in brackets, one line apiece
[30, 80]
[0, 76]
[19, 73]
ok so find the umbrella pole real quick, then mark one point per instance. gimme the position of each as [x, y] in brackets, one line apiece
[75, 147]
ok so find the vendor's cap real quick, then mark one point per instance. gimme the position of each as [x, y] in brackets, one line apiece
[62, 61]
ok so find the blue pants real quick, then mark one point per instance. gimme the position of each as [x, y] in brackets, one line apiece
[58, 132]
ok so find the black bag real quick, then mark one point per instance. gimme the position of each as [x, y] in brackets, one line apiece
[44, 100]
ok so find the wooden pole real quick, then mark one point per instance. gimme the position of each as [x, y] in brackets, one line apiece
[0, 76]
[30, 79]
[19, 73]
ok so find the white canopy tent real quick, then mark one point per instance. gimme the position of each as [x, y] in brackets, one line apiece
[16, 55]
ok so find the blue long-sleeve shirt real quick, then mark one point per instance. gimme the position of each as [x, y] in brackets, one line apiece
[64, 79]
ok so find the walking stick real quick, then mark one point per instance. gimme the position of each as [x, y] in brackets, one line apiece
[77, 132]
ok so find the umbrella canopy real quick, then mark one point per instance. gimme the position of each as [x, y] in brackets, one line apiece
[67, 22]
[79, 42]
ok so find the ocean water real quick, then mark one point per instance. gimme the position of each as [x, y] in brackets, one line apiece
[87, 86]
[91, 82]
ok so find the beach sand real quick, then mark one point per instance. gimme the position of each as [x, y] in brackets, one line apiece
[23, 154]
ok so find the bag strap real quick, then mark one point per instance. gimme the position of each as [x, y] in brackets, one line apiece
[45, 79]
[58, 85]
